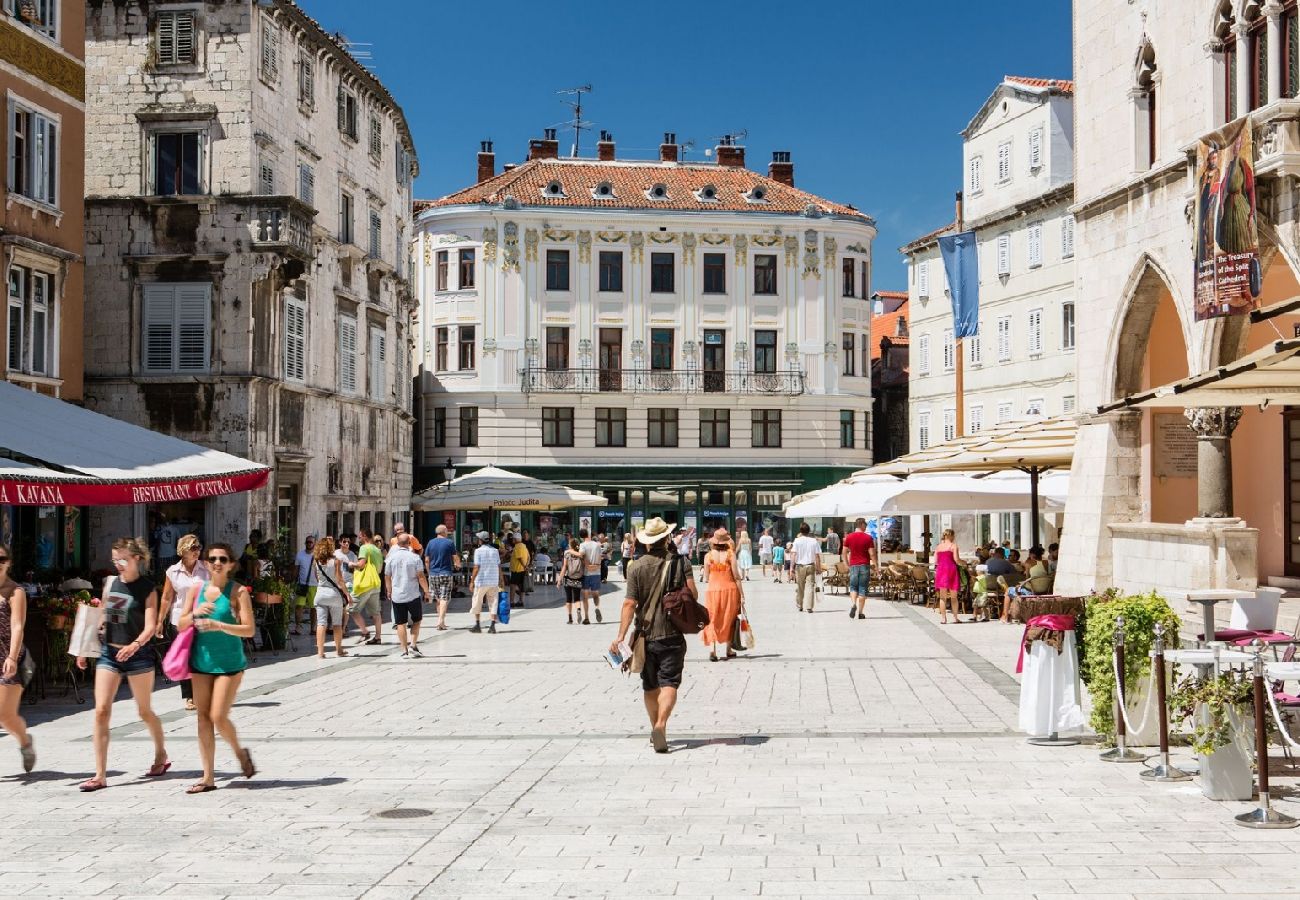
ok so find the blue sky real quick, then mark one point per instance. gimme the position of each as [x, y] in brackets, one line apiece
[868, 96]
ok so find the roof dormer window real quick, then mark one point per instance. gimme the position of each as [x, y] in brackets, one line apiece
[553, 188]
[757, 194]
[707, 194]
[657, 191]
[603, 191]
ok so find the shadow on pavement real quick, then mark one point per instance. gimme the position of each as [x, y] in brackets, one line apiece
[284, 783]
[697, 743]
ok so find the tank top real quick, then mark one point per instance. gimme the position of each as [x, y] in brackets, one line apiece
[215, 652]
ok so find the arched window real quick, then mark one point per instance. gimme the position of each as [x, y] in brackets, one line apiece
[1145, 120]
[1257, 55]
[1228, 42]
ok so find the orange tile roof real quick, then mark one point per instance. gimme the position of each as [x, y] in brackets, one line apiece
[1065, 87]
[526, 183]
[885, 326]
[928, 238]
[893, 295]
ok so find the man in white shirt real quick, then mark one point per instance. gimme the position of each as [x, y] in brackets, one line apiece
[306, 581]
[486, 581]
[591, 557]
[806, 548]
[765, 544]
[407, 588]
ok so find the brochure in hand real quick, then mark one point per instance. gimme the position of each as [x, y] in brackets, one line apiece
[616, 659]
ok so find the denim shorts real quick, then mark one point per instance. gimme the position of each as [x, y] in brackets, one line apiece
[591, 582]
[859, 579]
[143, 660]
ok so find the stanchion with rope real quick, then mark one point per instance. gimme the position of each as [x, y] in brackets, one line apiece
[1120, 752]
[1163, 770]
[1263, 816]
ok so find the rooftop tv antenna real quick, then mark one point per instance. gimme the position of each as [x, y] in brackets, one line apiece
[578, 124]
[727, 140]
[358, 50]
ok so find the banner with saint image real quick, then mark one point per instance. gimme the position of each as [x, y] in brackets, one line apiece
[1228, 272]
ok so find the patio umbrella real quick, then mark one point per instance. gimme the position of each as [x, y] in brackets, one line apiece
[970, 493]
[493, 488]
[852, 497]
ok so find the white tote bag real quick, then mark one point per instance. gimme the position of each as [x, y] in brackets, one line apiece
[84, 640]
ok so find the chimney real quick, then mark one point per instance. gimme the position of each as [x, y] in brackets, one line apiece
[547, 148]
[668, 149]
[605, 147]
[729, 154]
[487, 161]
[780, 168]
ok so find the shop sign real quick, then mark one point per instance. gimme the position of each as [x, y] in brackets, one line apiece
[19, 492]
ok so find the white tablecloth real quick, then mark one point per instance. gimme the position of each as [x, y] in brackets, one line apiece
[1049, 690]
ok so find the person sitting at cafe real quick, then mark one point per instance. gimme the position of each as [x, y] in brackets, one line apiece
[1053, 557]
[998, 565]
[1039, 579]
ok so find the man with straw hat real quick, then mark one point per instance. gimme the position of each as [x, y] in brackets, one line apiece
[659, 651]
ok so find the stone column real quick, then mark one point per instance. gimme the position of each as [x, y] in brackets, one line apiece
[1275, 50]
[1214, 426]
[1242, 87]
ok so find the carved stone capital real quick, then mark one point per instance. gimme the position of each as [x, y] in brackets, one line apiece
[1213, 422]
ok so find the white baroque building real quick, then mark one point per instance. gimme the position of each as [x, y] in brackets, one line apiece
[1018, 184]
[690, 339]
[247, 229]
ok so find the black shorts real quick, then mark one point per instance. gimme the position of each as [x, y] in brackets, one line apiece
[664, 661]
[412, 612]
[517, 579]
[572, 594]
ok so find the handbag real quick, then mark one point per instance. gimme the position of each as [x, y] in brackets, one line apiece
[735, 642]
[26, 669]
[686, 613]
[84, 640]
[366, 580]
[176, 664]
[746, 631]
[503, 607]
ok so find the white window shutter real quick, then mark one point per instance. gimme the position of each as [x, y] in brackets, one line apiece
[295, 340]
[976, 174]
[159, 327]
[1036, 244]
[1004, 162]
[347, 378]
[923, 354]
[1067, 236]
[949, 351]
[193, 315]
[976, 351]
[1004, 339]
[923, 429]
[378, 358]
[1035, 149]
[1004, 254]
[923, 278]
[949, 424]
[975, 420]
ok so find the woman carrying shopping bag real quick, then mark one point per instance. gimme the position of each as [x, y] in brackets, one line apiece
[723, 597]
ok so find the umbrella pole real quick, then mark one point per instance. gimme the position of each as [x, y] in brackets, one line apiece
[1033, 505]
[925, 536]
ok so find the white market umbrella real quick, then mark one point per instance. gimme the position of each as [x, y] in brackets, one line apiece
[493, 488]
[857, 496]
[965, 493]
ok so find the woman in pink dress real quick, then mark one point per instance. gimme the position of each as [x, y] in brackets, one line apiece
[723, 597]
[947, 581]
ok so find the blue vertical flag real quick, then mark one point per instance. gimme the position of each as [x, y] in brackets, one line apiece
[961, 263]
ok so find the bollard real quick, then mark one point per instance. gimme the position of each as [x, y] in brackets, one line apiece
[1263, 816]
[1163, 770]
[1120, 752]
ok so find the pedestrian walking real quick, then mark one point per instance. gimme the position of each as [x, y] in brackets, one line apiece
[806, 548]
[571, 574]
[744, 554]
[723, 597]
[947, 581]
[606, 552]
[520, 560]
[660, 648]
[625, 554]
[778, 562]
[332, 597]
[306, 597]
[221, 612]
[180, 578]
[399, 529]
[130, 604]
[443, 563]
[409, 590]
[486, 580]
[591, 557]
[833, 542]
[527, 539]
[13, 626]
[366, 588]
[861, 550]
[765, 547]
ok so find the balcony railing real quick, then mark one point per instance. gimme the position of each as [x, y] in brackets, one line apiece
[660, 381]
[283, 222]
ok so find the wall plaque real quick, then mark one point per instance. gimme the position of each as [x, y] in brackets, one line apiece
[1173, 448]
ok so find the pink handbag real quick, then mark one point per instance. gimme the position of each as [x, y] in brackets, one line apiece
[176, 664]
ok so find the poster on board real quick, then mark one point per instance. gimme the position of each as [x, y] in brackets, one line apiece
[1228, 276]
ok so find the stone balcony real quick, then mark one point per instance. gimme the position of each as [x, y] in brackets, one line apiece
[282, 224]
[537, 380]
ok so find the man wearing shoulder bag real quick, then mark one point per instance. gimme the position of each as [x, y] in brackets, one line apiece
[660, 648]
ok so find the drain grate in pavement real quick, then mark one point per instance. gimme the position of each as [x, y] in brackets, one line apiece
[404, 812]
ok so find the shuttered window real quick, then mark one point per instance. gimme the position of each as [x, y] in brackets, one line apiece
[1035, 331]
[376, 235]
[376, 137]
[1004, 338]
[1067, 237]
[175, 38]
[1035, 245]
[33, 155]
[306, 80]
[266, 179]
[1004, 162]
[378, 361]
[1004, 254]
[923, 278]
[1035, 149]
[949, 424]
[347, 112]
[923, 354]
[306, 184]
[177, 320]
[347, 378]
[975, 350]
[949, 351]
[975, 420]
[295, 340]
[270, 50]
[923, 429]
[976, 174]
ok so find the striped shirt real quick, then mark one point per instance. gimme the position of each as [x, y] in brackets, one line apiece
[488, 561]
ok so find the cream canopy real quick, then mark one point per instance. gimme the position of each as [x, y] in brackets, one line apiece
[1270, 375]
[493, 488]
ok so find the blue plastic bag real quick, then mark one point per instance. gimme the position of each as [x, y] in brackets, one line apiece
[503, 607]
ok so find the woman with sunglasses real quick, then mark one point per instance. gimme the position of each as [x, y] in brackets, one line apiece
[130, 604]
[221, 612]
[13, 620]
[181, 579]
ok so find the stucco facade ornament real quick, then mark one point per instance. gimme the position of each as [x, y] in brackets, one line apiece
[612, 237]
[810, 261]
[510, 252]
[489, 346]
[829, 348]
[715, 240]
[584, 246]
[454, 239]
[1210, 422]
[428, 249]
[637, 242]
[490, 244]
[742, 250]
[663, 237]
[791, 250]
[530, 244]
[829, 249]
[688, 247]
[857, 248]
[812, 211]
[509, 202]
[765, 240]
[555, 234]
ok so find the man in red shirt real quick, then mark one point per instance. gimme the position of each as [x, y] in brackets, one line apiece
[861, 551]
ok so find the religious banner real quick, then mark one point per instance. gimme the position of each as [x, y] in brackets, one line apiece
[1228, 273]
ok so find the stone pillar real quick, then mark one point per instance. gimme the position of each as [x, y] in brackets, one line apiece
[1275, 50]
[1242, 87]
[1214, 426]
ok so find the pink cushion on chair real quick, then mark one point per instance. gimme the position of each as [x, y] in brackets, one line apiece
[1285, 699]
[1268, 637]
[1230, 634]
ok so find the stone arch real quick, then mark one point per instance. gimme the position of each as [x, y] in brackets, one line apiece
[1143, 289]
[1230, 335]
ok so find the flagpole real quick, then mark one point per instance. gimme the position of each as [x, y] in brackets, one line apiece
[960, 387]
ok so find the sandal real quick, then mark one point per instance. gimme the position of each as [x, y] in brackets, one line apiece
[246, 763]
[92, 784]
[157, 770]
[713, 657]
[189, 704]
[200, 788]
[341, 652]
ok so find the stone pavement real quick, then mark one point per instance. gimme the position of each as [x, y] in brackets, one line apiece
[839, 758]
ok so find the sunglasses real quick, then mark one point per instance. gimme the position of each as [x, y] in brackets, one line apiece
[3, 559]
[219, 559]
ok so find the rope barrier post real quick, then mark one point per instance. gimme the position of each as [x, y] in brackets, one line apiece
[1120, 752]
[1163, 771]
[1263, 816]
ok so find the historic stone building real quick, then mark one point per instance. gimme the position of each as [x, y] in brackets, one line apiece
[247, 225]
[689, 338]
[1151, 503]
[890, 342]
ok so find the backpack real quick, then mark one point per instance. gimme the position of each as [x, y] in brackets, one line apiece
[573, 568]
[686, 613]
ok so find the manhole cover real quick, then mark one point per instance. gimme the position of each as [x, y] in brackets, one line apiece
[405, 812]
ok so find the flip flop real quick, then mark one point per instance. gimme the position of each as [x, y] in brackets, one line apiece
[246, 763]
[158, 769]
[200, 788]
[92, 784]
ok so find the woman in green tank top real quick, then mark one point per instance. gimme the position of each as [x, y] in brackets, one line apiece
[221, 622]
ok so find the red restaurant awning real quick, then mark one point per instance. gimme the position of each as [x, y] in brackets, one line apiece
[55, 454]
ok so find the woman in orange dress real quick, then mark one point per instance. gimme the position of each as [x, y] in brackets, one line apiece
[723, 598]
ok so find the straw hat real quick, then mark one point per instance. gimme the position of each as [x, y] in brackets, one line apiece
[655, 530]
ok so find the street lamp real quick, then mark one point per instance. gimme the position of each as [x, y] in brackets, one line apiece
[448, 472]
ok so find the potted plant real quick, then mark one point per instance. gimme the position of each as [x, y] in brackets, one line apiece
[1141, 613]
[275, 628]
[269, 590]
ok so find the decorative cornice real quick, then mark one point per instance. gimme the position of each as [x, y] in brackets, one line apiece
[22, 49]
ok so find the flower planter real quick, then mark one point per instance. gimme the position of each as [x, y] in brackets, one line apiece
[267, 599]
[1226, 773]
[60, 623]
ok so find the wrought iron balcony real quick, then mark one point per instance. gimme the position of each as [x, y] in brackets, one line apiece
[538, 380]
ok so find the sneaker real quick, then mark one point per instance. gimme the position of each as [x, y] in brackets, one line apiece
[598, 616]
[476, 629]
[492, 629]
[415, 651]
[405, 655]
[853, 613]
[810, 607]
[29, 755]
[588, 621]
[374, 642]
